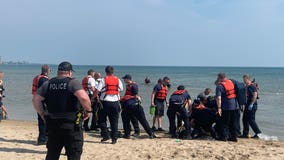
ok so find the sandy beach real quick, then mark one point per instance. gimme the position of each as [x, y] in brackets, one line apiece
[18, 141]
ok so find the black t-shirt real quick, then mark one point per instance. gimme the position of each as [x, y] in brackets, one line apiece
[73, 86]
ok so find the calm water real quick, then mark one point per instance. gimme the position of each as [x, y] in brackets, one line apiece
[18, 79]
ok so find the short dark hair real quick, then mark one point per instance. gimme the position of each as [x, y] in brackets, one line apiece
[109, 70]
[180, 87]
[166, 78]
[44, 69]
[90, 71]
[221, 75]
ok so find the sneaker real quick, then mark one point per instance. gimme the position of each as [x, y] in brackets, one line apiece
[152, 136]
[126, 136]
[113, 141]
[255, 136]
[105, 139]
[244, 136]
[233, 139]
[135, 135]
[161, 129]
[154, 128]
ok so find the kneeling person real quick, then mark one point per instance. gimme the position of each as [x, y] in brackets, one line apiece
[179, 101]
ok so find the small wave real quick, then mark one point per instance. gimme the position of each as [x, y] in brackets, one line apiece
[267, 137]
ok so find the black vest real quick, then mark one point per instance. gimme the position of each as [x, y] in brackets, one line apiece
[59, 99]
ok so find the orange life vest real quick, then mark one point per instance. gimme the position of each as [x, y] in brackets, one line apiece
[35, 82]
[128, 94]
[162, 94]
[85, 83]
[111, 85]
[179, 92]
[229, 88]
[199, 107]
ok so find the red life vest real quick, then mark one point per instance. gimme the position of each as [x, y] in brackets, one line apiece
[199, 107]
[85, 83]
[229, 88]
[162, 94]
[179, 92]
[128, 94]
[111, 85]
[35, 82]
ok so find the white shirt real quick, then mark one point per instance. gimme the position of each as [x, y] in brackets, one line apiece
[91, 83]
[109, 97]
[98, 81]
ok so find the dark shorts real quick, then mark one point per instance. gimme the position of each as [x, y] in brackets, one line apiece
[160, 107]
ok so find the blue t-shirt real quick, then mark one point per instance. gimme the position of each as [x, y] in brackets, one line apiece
[250, 90]
[226, 104]
[179, 98]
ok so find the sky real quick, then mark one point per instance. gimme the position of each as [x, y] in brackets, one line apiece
[144, 32]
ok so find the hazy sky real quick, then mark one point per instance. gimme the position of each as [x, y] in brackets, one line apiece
[144, 32]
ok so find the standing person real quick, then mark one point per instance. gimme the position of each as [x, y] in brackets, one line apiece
[158, 99]
[88, 84]
[180, 100]
[132, 108]
[37, 82]
[3, 110]
[62, 95]
[96, 103]
[227, 108]
[109, 89]
[205, 93]
[250, 109]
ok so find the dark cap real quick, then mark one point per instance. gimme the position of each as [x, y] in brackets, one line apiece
[65, 66]
[127, 76]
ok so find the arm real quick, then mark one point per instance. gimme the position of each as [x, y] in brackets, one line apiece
[85, 101]
[218, 101]
[189, 106]
[152, 98]
[37, 104]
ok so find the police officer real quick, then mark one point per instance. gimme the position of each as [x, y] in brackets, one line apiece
[227, 108]
[132, 108]
[62, 95]
[180, 100]
[37, 82]
[158, 99]
[250, 109]
[109, 89]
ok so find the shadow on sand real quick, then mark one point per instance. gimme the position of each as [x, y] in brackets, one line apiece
[19, 150]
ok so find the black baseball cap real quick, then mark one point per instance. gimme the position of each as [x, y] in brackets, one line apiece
[65, 66]
[127, 76]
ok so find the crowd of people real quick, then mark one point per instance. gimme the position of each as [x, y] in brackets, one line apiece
[67, 107]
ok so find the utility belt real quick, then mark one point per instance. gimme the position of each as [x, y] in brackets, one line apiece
[67, 120]
[177, 105]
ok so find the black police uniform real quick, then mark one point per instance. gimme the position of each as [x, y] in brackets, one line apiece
[249, 115]
[132, 108]
[64, 119]
[177, 102]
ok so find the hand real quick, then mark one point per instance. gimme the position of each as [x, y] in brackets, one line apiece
[152, 104]
[86, 115]
[242, 108]
[250, 106]
[219, 112]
